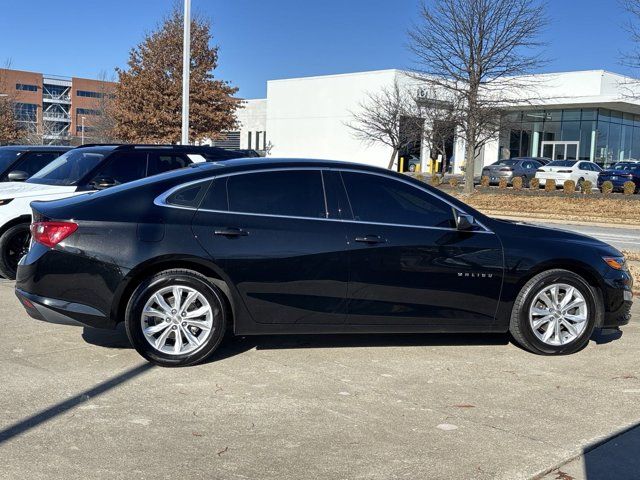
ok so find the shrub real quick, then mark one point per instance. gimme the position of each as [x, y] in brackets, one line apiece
[550, 185]
[517, 183]
[569, 187]
[534, 184]
[502, 183]
[629, 188]
[484, 181]
[435, 180]
[453, 182]
[607, 187]
[586, 187]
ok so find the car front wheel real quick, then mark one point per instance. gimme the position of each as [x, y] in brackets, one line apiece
[14, 244]
[555, 313]
[176, 318]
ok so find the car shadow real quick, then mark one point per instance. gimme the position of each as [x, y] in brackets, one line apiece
[235, 345]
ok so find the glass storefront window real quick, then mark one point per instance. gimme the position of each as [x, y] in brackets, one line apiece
[587, 130]
[604, 115]
[570, 115]
[602, 142]
[615, 135]
[570, 131]
[627, 139]
[605, 136]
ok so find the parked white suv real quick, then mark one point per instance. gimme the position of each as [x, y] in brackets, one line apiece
[80, 171]
[563, 170]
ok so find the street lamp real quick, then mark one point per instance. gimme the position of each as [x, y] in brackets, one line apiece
[82, 129]
[186, 66]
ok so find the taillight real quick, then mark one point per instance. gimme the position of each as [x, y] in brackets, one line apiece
[50, 234]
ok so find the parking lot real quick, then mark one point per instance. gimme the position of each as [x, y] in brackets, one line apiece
[79, 404]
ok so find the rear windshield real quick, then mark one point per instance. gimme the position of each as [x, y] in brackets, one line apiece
[506, 163]
[7, 157]
[68, 169]
[562, 163]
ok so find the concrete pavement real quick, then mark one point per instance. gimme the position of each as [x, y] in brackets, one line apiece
[79, 404]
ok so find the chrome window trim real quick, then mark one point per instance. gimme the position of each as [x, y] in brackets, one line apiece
[161, 200]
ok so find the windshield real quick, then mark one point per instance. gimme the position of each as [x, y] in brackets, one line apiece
[68, 169]
[506, 163]
[562, 163]
[7, 157]
[626, 166]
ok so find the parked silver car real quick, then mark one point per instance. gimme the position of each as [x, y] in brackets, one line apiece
[511, 168]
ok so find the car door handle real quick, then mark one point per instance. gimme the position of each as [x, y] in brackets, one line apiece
[231, 232]
[370, 239]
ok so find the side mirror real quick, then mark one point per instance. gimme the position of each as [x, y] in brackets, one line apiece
[17, 176]
[100, 183]
[464, 221]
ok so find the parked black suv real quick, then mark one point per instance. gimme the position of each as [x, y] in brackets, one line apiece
[19, 162]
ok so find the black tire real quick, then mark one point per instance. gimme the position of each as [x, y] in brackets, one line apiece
[525, 182]
[579, 184]
[521, 329]
[14, 243]
[170, 278]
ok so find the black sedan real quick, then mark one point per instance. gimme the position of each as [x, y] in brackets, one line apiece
[265, 246]
[619, 174]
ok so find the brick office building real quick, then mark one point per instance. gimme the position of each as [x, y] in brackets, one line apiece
[53, 109]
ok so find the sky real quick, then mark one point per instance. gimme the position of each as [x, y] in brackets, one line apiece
[262, 40]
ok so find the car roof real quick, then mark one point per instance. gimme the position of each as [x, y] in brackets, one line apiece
[36, 148]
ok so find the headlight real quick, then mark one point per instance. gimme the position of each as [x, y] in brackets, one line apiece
[617, 263]
[6, 201]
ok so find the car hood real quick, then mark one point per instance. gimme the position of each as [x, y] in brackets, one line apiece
[528, 231]
[617, 172]
[21, 190]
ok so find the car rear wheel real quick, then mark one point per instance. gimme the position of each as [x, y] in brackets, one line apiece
[14, 244]
[176, 318]
[555, 313]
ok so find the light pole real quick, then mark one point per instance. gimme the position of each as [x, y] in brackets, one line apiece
[82, 129]
[186, 66]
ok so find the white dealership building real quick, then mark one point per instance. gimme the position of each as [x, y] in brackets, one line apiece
[591, 115]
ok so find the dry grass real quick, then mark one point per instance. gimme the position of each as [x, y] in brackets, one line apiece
[585, 208]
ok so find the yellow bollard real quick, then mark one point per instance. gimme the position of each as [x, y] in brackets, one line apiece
[401, 164]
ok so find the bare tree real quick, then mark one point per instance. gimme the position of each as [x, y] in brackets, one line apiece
[10, 130]
[475, 50]
[390, 116]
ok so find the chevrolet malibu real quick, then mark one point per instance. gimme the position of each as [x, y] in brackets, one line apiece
[266, 246]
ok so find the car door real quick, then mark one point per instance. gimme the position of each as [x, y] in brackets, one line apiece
[409, 265]
[272, 234]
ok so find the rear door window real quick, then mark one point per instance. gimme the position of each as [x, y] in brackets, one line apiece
[124, 167]
[282, 193]
[160, 162]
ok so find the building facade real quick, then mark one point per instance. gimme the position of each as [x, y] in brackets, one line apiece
[589, 115]
[54, 109]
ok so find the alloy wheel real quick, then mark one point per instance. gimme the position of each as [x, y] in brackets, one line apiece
[177, 320]
[17, 247]
[558, 314]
